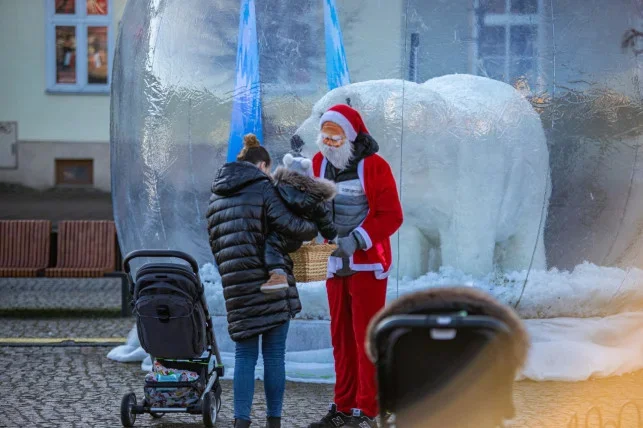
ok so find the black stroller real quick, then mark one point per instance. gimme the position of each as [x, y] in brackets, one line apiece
[446, 357]
[175, 328]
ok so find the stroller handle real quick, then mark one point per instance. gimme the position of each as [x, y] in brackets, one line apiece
[159, 253]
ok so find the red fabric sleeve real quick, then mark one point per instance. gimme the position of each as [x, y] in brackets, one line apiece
[385, 211]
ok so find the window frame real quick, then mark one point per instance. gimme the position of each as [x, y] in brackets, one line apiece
[59, 167]
[507, 20]
[82, 22]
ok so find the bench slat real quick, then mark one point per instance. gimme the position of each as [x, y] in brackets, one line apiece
[24, 244]
[85, 249]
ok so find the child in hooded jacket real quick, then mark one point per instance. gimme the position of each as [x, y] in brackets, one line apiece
[307, 197]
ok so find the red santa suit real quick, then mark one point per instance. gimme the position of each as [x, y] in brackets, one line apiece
[354, 299]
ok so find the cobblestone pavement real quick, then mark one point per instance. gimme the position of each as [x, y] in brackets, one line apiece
[60, 293]
[80, 387]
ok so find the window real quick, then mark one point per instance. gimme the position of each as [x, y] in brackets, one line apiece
[79, 43]
[74, 172]
[507, 34]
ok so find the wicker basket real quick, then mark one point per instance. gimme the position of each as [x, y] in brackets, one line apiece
[311, 261]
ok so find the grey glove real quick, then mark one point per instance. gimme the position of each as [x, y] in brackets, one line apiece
[348, 245]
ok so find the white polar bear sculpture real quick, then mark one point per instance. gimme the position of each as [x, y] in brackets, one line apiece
[471, 159]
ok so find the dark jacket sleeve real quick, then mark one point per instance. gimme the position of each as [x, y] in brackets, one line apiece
[283, 221]
[323, 216]
[274, 251]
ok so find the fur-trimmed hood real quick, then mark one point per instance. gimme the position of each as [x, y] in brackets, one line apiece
[319, 188]
[474, 301]
[308, 198]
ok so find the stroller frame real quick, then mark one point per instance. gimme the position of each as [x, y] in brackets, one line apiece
[209, 403]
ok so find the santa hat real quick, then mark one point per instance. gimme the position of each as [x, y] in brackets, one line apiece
[347, 118]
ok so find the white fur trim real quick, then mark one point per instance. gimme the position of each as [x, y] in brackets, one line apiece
[360, 174]
[367, 239]
[322, 168]
[335, 264]
[376, 268]
[288, 159]
[306, 163]
[382, 275]
[340, 119]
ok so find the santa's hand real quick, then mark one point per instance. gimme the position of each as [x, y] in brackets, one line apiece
[347, 246]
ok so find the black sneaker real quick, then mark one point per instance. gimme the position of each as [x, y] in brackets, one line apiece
[332, 419]
[360, 420]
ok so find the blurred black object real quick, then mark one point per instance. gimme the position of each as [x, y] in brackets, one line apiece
[447, 357]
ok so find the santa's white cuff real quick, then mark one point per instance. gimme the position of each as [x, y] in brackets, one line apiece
[365, 237]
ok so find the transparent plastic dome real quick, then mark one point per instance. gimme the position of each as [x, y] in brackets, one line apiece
[513, 128]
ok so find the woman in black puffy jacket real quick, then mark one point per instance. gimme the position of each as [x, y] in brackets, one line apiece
[243, 208]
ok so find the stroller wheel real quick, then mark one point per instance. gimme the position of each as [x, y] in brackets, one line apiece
[156, 415]
[209, 410]
[128, 418]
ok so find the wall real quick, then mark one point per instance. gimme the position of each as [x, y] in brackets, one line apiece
[41, 116]
[49, 125]
[374, 40]
[444, 27]
[36, 161]
[584, 36]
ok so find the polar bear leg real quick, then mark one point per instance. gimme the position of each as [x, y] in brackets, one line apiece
[413, 250]
[468, 241]
[527, 242]
[469, 250]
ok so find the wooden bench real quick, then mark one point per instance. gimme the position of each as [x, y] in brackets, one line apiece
[24, 247]
[87, 249]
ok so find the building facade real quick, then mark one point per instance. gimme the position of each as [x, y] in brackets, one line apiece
[55, 107]
[54, 91]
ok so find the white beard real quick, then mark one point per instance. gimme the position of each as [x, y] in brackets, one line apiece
[337, 156]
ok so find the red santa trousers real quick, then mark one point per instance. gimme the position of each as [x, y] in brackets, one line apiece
[353, 301]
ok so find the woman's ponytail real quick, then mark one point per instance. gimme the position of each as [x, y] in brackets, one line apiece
[253, 152]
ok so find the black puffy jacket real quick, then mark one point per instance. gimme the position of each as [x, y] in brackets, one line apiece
[243, 207]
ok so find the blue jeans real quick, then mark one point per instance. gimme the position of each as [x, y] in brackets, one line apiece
[273, 348]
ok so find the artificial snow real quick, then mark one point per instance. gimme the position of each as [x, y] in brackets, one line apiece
[587, 291]
[582, 323]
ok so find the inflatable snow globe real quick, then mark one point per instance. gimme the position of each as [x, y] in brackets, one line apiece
[512, 127]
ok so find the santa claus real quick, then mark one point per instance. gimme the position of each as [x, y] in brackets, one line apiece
[366, 212]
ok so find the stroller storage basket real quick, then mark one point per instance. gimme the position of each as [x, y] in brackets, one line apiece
[185, 391]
